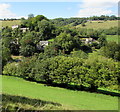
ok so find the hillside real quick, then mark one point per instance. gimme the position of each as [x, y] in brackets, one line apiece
[99, 24]
[68, 98]
[113, 38]
[89, 24]
[9, 23]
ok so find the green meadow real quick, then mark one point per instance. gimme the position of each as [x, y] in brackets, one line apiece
[114, 38]
[9, 23]
[69, 99]
[99, 24]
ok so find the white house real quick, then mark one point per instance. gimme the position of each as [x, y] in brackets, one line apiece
[15, 26]
[89, 40]
[42, 44]
[24, 29]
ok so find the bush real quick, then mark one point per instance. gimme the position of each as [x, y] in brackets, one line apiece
[102, 71]
[111, 50]
[80, 54]
[96, 71]
[11, 69]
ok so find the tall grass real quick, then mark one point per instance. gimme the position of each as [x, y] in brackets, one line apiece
[10, 102]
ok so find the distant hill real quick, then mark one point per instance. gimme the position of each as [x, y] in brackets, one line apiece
[99, 24]
[95, 24]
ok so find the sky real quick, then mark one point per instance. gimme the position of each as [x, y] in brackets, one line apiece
[56, 9]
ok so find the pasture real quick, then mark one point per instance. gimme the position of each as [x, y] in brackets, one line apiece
[99, 24]
[9, 23]
[114, 38]
[76, 100]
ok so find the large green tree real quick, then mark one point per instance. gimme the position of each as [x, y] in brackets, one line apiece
[102, 40]
[67, 43]
[28, 46]
[111, 50]
[6, 55]
[46, 29]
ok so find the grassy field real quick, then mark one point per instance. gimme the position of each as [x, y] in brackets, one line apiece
[98, 24]
[68, 98]
[113, 38]
[9, 23]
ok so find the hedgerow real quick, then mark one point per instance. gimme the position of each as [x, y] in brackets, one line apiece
[96, 71]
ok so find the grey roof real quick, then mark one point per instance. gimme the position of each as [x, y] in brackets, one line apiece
[42, 44]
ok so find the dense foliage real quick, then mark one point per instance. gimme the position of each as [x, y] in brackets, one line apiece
[65, 21]
[96, 71]
[66, 43]
[111, 50]
[77, 21]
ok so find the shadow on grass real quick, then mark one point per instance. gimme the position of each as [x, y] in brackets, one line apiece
[83, 88]
[10, 99]
[73, 87]
[7, 100]
[108, 93]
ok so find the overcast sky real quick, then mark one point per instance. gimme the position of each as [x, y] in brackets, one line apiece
[57, 8]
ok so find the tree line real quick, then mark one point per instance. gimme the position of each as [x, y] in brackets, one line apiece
[94, 72]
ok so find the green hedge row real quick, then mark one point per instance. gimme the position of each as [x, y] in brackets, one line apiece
[96, 71]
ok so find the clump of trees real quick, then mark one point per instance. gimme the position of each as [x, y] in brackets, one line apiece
[5, 45]
[66, 43]
[111, 50]
[67, 21]
[28, 46]
[77, 21]
[32, 21]
[96, 71]
[103, 17]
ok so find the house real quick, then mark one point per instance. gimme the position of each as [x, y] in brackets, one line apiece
[42, 44]
[15, 26]
[24, 29]
[89, 40]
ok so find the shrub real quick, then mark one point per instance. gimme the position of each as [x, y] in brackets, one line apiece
[11, 69]
[111, 50]
[96, 71]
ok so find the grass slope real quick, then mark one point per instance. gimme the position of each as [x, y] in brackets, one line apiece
[114, 38]
[10, 102]
[98, 24]
[71, 99]
[9, 23]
